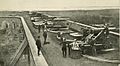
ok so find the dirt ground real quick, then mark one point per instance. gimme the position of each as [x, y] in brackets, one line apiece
[53, 51]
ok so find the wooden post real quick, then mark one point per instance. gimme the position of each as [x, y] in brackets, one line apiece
[28, 56]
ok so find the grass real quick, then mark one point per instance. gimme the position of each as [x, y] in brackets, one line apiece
[9, 42]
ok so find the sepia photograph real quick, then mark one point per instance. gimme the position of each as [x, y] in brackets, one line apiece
[59, 33]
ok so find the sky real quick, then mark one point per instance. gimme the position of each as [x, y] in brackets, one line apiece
[57, 4]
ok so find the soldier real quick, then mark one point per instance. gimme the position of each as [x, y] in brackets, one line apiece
[45, 36]
[106, 31]
[69, 49]
[64, 48]
[38, 43]
[59, 35]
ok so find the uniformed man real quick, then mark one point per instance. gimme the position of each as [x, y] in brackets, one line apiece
[45, 36]
[64, 48]
[38, 43]
[69, 49]
[106, 30]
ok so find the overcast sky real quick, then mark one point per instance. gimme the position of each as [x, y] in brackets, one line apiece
[56, 4]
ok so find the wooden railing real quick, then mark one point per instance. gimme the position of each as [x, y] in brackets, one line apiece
[39, 60]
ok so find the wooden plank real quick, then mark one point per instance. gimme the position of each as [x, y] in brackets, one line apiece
[114, 33]
[106, 50]
[98, 35]
[86, 45]
[37, 23]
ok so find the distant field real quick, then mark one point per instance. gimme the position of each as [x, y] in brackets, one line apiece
[89, 16]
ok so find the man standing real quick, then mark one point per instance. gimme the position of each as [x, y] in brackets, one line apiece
[38, 43]
[45, 36]
[64, 48]
[106, 31]
[69, 49]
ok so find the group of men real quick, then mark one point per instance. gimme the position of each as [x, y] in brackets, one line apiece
[66, 44]
[38, 41]
[91, 42]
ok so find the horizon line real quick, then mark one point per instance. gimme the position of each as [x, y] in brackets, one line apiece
[66, 8]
